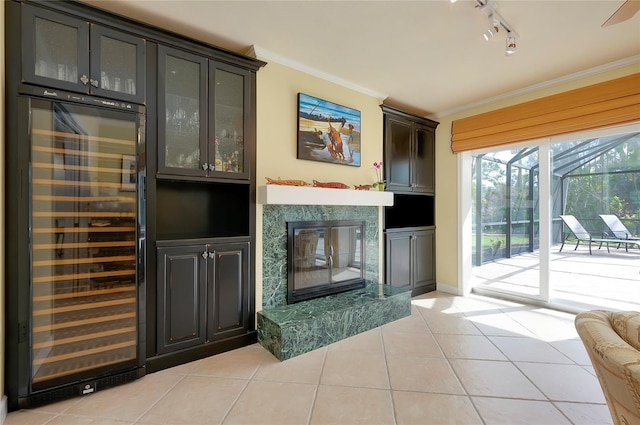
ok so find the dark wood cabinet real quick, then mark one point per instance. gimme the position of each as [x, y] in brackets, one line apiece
[409, 149]
[228, 299]
[409, 161]
[141, 179]
[201, 202]
[182, 274]
[202, 293]
[74, 54]
[410, 259]
[205, 105]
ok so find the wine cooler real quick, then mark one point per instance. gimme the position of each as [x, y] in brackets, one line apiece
[83, 262]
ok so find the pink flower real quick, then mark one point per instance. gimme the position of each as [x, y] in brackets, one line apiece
[378, 167]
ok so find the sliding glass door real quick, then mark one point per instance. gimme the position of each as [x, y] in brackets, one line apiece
[520, 245]
[505, 221]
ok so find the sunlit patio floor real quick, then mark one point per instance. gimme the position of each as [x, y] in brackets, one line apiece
[608, 280]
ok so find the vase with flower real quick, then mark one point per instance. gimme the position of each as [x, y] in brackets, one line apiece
[379, 183]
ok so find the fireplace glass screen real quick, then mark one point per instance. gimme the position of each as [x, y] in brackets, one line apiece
[324, 258]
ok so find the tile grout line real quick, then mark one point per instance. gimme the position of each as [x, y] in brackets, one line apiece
[386, 365]
[318, 383]
[466, 392]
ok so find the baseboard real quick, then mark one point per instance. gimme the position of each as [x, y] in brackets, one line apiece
[4, 409]
[442, 287]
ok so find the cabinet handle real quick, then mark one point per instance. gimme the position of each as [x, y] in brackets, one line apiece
[84, 79]
[212, 167]
[94, 83]
[212, 255]
[205, 254]
[205, 166]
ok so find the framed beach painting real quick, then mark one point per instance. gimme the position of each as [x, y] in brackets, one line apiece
[328, 132]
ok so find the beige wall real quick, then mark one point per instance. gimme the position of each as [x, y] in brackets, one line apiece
[277, 104]
[447, 235]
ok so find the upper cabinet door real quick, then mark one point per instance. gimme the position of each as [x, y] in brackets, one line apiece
[398, 154]
[424, 161]
[182, 107]
[117, 64]
[55, 50]
[228, 121]
[71, 54]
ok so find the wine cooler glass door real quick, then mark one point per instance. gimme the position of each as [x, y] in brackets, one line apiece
[83, 242]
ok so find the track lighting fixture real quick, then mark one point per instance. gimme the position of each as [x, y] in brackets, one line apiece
[496, 22]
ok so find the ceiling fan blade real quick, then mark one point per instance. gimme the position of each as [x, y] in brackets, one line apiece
[624, 12]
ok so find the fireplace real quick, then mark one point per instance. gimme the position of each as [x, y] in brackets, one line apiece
[324, 257]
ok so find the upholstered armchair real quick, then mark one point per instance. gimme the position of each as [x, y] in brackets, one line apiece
[612, 340]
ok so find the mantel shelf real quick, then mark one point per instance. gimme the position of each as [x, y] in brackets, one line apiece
[304, 195]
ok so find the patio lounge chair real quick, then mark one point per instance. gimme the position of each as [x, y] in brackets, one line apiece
[581, 235]
[616, 228]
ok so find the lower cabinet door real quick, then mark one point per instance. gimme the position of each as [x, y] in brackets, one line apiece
[399, 259]
[182, 276]
[229, 290]
[423, 264]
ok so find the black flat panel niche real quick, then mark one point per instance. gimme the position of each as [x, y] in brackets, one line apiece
[410, 211]
[188, 210]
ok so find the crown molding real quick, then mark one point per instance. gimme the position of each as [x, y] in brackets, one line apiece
[565, 79]
[260, 53]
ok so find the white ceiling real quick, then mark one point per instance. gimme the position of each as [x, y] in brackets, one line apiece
[428, 57]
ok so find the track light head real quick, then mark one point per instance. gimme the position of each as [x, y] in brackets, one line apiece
[494, 27]
[492, 31]
[510, 45]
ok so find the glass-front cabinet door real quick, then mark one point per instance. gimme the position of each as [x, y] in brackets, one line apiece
[72, 54]
[229, 117]
[117, 64]
[205, 108]
[55, 50]
[182, 135]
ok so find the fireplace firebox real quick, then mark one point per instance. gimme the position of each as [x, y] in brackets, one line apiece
[324, 257]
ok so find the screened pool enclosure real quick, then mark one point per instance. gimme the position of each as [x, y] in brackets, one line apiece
[587, 178]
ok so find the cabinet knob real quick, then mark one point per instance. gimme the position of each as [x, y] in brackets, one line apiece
[84, 79]
[205, 166]
[205, 254]
[212, 167]
[212, 255]
[94, 83]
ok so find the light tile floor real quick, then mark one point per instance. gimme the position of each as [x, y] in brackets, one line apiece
[456, 360]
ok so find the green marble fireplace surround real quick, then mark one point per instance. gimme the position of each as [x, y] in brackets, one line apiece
[290, 330]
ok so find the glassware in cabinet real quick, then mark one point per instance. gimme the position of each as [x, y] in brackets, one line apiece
[70, 53]
[182, 135]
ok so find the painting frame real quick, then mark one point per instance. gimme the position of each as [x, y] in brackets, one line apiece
[328, 132]
[128, 173]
